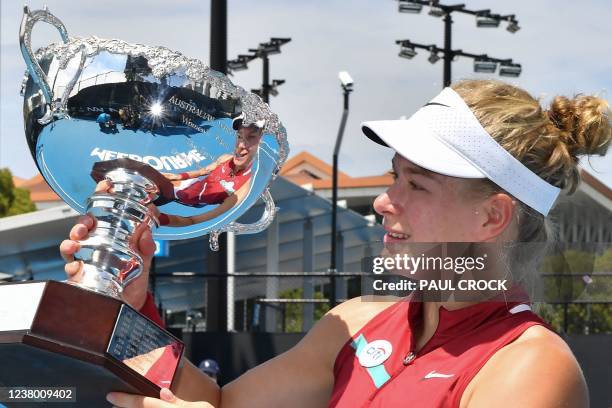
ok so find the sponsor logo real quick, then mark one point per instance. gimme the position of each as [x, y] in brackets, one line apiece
[175, 162]
[434, 374]
[436, 104]
[375, 353]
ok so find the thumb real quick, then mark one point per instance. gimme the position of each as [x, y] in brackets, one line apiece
[166, 395]
[146, 243]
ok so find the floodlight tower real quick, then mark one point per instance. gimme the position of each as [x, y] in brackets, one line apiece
[484, 19]
[263, 51]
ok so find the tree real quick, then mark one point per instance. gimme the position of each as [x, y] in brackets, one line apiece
[13, 200]
[580, 277]
[293, 311]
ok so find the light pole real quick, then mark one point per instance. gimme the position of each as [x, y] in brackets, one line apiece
[347, 87]
[484, 18]
[263, 51]
[216, 289]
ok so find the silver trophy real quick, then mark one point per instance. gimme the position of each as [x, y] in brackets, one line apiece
[210, 149]
[186, 152]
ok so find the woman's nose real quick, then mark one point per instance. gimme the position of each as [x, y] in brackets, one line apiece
[383, 204]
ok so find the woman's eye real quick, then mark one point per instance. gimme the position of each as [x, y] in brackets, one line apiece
[415, 186]
[393, 174]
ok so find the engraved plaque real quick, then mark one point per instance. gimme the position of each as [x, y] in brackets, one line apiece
[144, 347]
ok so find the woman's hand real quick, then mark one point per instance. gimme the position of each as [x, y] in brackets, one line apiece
[166, 400]
[141, 240]
[172, 176]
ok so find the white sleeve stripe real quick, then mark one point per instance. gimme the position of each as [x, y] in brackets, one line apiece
[519, 308]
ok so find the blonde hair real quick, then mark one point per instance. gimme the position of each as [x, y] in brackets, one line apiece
[548, 142]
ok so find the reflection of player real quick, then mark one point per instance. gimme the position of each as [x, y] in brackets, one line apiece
[224, 182]
[128, 118]
[105, 121]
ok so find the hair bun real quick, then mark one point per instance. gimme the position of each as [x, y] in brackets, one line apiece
[546, 142]
[583, 122]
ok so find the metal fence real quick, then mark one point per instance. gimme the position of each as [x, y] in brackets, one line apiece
[298, 299]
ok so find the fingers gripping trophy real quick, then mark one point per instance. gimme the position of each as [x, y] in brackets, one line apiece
[138, 137]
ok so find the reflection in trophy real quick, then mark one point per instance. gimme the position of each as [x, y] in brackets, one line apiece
[224, 183]
[142, 118]
[152, 105]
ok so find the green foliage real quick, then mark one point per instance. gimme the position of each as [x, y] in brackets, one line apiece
[22, 204]
[13, 200]
[7, 191]
[293, 311]
[580, 320]
[603, 263]
[585, 315]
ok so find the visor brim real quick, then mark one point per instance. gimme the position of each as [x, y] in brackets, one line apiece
[417, 143]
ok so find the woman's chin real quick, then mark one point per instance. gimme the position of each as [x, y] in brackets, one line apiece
[241, 162]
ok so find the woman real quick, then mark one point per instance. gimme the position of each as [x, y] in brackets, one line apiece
[224, 183]
[455, 354]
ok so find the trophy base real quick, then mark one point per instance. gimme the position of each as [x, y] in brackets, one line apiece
[57, 335]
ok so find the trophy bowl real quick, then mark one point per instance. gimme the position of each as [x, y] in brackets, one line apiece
[88, 100]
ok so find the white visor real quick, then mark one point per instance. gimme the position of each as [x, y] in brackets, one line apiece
[445, 137]
[238, 122]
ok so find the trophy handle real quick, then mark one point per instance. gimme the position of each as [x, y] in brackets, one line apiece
[264, 221]
[30, 18]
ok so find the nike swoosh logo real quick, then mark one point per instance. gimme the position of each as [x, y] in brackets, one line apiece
[436, 103]
[434, 374]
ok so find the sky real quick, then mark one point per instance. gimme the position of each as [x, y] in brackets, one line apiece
[563, 46]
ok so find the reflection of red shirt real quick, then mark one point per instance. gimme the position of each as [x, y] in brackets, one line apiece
[220, 183]
[463, 342]
[162, 371]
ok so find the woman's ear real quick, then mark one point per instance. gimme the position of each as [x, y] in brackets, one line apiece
[497, 213]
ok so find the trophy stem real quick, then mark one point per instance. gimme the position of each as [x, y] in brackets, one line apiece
[110, 259]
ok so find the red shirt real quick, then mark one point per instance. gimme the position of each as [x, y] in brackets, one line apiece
[216, 187]
[149, 310]
[436, 375]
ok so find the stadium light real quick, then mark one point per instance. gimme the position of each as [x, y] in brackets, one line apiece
[274, 87]
[407, 51]
[510, 70]
[263, 51]
[433, 57]
[513, 26]
[485, 66]
[484, 18]
[434, 10]
[409, 7]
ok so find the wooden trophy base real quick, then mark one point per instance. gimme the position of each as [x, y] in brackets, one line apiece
[58, 335]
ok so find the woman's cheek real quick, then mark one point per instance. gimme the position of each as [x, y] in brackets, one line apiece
[456, 228]
[422, 224]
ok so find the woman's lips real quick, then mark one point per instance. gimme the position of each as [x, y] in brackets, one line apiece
[392, 236]
[240, 155]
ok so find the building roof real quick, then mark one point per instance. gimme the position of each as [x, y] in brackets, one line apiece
[305, 163]
[29, 246]
[38, 187]
[305, 169]
[18, 181]
[596, 184]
